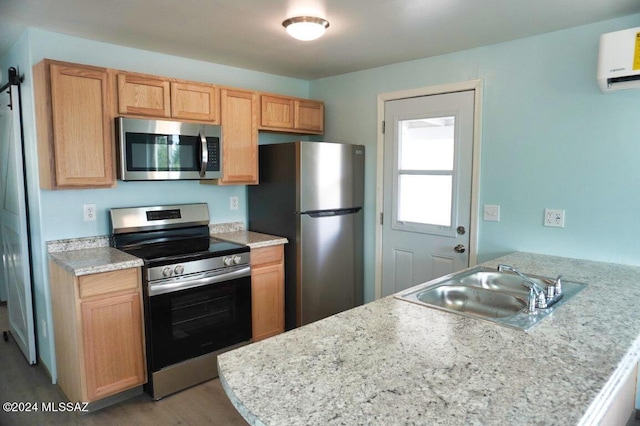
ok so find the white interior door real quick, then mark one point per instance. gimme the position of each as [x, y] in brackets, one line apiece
[16, 271]
[428, 154]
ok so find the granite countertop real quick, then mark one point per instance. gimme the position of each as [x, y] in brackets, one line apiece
[92, 255]
[394, 362]
[89, 255]
[249, 238]
[94, 260]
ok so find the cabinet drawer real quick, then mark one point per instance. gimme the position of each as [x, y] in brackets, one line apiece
[108, 282]
[263, 255]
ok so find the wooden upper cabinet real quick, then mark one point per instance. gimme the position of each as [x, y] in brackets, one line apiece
[309, 115]
[141, 94]
[160, 97]
[293, 115]
[76, 106]
[195, 101]
[276, 112]
[238, 113]
[74, 125]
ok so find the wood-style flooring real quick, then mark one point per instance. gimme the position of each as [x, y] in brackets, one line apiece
[205, 404]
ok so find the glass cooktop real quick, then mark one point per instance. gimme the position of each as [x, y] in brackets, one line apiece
[185, 250]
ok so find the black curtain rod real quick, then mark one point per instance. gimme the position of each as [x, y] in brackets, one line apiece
[14, 80]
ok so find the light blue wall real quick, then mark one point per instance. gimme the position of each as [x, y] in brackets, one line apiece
[59, 214]
[550, 139]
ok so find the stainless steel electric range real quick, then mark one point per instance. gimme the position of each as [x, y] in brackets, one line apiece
[197, 292]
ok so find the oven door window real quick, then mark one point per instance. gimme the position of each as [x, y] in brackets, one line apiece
[189, 323]
[162, 153]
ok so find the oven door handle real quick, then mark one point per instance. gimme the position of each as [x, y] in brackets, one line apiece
[157, 289]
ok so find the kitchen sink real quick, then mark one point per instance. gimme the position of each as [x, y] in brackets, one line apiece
[501, 282]
[472, 300]
[486, 294]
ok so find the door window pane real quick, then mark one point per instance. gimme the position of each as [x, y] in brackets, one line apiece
[425, 199]
[427, 144]
[426, 158]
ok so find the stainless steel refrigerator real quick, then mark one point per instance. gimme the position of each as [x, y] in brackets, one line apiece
[313, 193]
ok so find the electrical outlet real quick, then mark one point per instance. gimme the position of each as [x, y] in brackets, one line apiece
[554, 218]
[44, 329]
[233, 203]
[89, 212]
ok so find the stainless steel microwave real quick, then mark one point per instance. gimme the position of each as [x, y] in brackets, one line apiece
[168, 150]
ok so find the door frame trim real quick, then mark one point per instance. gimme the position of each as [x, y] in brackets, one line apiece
[476, 86]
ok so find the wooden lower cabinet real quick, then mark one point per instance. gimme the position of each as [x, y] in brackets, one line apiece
[99, 335]
[267, 291]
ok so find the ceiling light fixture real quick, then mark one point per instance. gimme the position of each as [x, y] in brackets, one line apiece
[305, 28]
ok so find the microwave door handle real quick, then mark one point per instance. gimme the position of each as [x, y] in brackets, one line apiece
[204, 154]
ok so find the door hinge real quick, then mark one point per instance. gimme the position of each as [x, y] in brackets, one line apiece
[383, 127]
[381, 218]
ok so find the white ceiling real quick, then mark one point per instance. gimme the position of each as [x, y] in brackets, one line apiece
[249, 33]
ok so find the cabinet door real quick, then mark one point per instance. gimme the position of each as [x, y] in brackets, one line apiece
[193, 101]
[113, 344]
[239, 136]
[309, 115]
[267, 301]
[276, 112]
[77, 130]
[146, 95]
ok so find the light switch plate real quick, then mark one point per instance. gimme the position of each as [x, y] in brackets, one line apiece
[491, 213]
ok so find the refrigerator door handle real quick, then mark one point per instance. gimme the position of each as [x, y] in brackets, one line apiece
[336, 212]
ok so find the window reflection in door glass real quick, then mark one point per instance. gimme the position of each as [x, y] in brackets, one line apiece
[425, 199]
[425, 170]
[427, 144]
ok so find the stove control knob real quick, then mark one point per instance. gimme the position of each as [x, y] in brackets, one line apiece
[236, 260]
[179, 270]
[167, 271]
[228, 261]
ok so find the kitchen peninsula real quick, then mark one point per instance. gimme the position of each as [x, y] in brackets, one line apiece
[394, 362]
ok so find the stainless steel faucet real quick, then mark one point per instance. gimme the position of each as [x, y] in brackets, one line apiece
[529, 282]
[539, 298]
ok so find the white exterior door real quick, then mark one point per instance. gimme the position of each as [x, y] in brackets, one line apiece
[16, 271]
[428, 144]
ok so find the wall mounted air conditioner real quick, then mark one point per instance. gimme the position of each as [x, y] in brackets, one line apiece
[619, 60]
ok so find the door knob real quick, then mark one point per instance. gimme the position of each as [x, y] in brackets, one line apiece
[459, 248]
